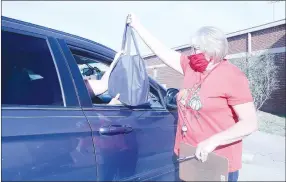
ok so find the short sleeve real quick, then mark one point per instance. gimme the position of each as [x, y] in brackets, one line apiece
[237, 88]
[184, 62]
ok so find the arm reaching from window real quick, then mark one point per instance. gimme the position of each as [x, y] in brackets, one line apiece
[115, 100]
[170, 57]
[101, 86]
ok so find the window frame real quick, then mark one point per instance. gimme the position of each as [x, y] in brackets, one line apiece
[66, 46]
[57, 60]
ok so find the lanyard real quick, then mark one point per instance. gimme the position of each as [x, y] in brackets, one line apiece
[195, 89]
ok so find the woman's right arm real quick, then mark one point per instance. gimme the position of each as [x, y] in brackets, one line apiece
[170, 57]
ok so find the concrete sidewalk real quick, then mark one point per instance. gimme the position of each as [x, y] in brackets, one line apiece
[263, 158]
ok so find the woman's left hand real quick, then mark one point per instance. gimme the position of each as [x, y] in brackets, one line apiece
[205, 147]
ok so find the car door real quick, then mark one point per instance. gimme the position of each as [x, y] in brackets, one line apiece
[41, 113]
[132, 144]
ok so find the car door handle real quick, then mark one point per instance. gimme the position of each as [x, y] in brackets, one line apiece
[115, 129]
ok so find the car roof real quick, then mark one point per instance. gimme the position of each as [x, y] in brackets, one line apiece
[69, 38]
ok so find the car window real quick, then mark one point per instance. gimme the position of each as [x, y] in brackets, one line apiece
[154, 98]
[94, 68]
[90, 68]
[29, 75]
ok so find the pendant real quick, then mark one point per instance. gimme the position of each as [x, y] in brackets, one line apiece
[184, 128]
[195, 103]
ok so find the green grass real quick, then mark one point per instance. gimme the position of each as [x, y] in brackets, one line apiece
[270, 123]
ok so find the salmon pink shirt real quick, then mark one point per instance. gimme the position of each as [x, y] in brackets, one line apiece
[223, 88]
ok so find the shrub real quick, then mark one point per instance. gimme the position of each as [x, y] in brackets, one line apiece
[261, 71]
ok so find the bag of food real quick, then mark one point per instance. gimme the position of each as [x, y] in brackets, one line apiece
[129, 77]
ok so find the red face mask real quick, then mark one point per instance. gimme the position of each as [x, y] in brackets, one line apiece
[198, 62]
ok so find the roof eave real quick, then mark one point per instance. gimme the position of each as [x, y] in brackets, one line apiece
[233, 34]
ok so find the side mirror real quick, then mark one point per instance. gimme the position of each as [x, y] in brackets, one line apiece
[87, 71]
[170, 98]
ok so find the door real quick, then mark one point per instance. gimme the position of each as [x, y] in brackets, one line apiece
[131, 144]
[41, 114]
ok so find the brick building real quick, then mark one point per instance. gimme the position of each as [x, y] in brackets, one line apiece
[268, 37]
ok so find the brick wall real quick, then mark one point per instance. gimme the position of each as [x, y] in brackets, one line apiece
[154, 60]
[237, 44]
[168, 76]
[269, 38]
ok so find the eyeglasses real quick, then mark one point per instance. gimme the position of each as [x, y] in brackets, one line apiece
[194, 49]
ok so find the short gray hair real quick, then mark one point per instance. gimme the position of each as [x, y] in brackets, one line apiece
[212, 42]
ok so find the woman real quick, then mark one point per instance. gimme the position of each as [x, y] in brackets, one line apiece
[215, 106]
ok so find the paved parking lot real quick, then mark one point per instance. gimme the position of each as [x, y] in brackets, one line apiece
[263, 158]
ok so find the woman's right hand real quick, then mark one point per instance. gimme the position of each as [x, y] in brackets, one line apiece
[132, 20]
[168, 56]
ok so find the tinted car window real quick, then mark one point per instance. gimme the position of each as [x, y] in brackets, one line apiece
[29, 75]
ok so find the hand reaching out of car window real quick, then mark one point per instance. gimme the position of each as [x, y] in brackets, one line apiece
[101, 86]
[115, 100]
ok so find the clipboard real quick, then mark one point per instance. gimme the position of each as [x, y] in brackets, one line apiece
[191, 169]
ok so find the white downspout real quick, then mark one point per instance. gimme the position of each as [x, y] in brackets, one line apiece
[249, 45]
